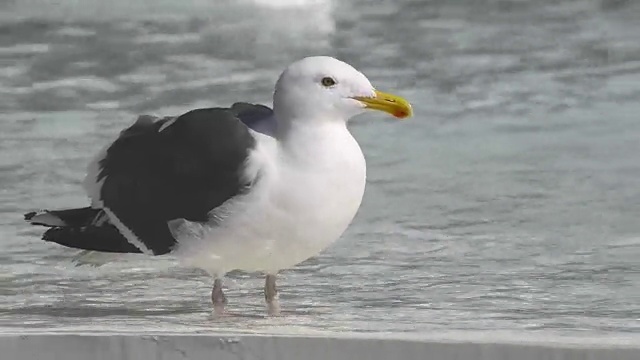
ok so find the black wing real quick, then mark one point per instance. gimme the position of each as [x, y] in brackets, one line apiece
[184, 171]
[257, 117]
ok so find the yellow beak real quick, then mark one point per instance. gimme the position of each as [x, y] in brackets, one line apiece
[389, 103]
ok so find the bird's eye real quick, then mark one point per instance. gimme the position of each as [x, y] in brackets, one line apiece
[327, 81]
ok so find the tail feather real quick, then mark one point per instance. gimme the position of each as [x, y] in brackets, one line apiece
[104, 238]
[70, 217]
[82, 228]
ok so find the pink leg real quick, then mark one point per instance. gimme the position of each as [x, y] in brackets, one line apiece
[217, 297]
[271, 295]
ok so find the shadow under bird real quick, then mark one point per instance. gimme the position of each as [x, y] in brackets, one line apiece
[242, 188]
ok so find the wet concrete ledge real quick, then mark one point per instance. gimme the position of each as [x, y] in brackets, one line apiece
[287, 347]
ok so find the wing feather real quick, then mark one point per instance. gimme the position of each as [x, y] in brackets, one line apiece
[154, 173]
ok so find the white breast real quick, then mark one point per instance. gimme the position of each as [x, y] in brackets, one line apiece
[319, 194]
[309, 192]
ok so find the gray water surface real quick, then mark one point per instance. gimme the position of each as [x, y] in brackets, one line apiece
[511, 201]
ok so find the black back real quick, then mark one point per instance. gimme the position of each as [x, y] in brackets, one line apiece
[184, 171]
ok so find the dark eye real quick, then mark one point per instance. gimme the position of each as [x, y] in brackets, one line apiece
[327, 81]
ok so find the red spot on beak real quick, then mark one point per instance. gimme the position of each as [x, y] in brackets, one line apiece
[400, 114]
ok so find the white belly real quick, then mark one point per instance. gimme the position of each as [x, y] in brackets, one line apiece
[300, 207]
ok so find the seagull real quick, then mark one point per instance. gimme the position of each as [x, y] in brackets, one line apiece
[245, 187]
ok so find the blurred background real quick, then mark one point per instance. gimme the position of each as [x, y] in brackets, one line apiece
[511, 201]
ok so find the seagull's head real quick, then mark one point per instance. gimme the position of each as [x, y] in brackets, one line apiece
[322, 87]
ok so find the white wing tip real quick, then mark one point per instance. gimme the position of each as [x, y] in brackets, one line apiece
[44, 217]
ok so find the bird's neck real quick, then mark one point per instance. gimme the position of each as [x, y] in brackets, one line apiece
[291, 129]
[307, 139]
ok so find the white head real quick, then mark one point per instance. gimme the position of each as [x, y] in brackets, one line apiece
[323, 88]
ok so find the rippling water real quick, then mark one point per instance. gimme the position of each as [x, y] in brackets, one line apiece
[511, 201]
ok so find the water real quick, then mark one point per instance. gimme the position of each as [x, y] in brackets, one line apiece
[510, 202]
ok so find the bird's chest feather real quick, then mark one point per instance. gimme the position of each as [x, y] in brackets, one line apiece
[323, 190]
[333, 171]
